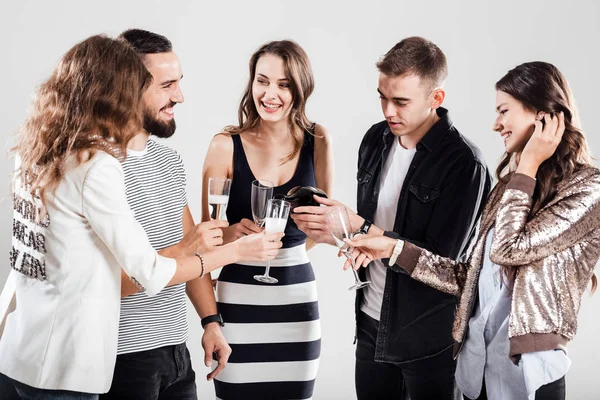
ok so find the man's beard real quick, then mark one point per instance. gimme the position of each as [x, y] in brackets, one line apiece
[157, 127]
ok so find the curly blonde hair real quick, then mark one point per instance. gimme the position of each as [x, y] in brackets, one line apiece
[91, 102]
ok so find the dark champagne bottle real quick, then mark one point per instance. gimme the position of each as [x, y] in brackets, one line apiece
[302, 196]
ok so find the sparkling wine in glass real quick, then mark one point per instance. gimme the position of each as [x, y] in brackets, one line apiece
[218, 197]
[262, 192]
[339, 225]
[275, 221]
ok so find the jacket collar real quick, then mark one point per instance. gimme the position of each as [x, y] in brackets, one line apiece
[432, 138]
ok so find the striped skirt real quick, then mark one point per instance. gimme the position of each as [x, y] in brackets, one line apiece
[273, 329]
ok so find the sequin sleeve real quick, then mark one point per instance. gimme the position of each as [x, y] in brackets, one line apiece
[563, 223]
[439, 272]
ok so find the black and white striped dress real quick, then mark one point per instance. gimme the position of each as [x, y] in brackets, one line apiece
[273, 329]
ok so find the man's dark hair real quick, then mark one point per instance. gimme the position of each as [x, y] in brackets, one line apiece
[146, 42]
[418, 56]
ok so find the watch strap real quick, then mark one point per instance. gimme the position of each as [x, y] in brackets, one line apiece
[396, 252]
[364, 229]
[212, 318]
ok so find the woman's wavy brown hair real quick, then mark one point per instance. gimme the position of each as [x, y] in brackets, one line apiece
[540, 86]
[299, 74]
[91, 102]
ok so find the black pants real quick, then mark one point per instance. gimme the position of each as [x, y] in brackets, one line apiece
[552, 391]
[430, 378]
[160, 374]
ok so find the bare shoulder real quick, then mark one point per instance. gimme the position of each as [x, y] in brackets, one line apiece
[221, 143]
[322, 136]
[219, 157]
[323, 148]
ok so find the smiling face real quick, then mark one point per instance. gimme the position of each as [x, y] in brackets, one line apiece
[515, 123]
[271, 89]
[164, 93]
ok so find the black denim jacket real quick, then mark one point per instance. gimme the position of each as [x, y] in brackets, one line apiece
[441, 199]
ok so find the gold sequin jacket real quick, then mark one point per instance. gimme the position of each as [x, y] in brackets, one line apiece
[555, 253]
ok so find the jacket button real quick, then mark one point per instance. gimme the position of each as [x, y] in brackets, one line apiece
[426, 197]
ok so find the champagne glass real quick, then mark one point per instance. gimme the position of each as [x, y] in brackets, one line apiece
[262, 192]
[275, 221]
[339, 225]
[218, 197]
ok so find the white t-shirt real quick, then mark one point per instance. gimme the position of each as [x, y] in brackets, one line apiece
[390, 184]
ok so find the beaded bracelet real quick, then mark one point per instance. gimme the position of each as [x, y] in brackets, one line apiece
[201, 262]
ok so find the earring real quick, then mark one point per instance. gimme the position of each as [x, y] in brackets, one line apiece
[540, 116]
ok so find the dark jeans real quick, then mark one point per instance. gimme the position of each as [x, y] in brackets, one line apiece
[14, 390]
[159, 374]
[552, 391]
[429, 378]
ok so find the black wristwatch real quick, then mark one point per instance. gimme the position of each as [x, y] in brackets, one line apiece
[364, 229]
[212, 318]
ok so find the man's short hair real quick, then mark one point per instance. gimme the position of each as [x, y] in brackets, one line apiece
[418, 56]
[146, 42]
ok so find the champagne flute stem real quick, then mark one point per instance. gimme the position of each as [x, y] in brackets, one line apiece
[268, 268]
[348, 254]
[356, 278]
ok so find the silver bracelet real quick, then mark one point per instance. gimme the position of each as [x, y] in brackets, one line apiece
[201, 262]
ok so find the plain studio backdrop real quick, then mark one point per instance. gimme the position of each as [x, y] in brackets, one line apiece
[343, 39]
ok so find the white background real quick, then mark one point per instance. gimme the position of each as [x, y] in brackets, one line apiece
[214, 40]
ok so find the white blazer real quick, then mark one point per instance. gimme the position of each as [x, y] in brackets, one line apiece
[59, 310]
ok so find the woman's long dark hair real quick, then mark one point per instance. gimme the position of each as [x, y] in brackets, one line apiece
[540, 86]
